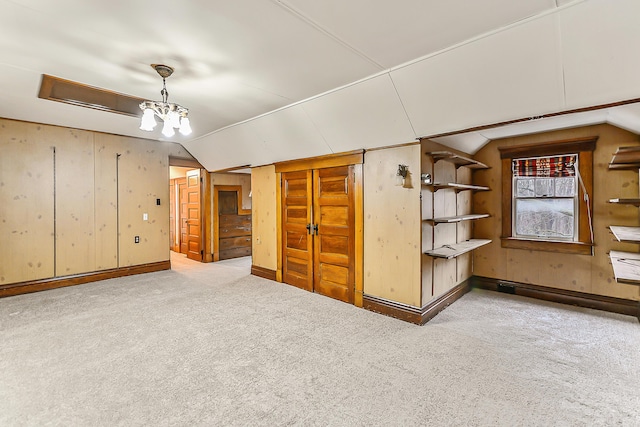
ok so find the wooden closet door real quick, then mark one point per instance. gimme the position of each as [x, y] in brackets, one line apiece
[194, 235]
[297, 268]
[334, 240]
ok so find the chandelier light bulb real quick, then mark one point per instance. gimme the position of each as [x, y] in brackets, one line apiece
[185, 127]
[167, 129]
[174, 118]
[148, 121]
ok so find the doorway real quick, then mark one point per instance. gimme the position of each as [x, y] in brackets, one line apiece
[318, 231]
[186, 214]
[232, 223]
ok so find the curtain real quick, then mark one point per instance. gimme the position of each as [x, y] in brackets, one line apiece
[553, 166]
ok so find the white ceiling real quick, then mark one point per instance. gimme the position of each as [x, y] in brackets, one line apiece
[270, 80]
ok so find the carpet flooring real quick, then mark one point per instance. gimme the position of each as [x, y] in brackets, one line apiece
[211, 345]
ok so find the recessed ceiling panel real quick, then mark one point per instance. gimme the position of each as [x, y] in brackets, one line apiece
[365, 115]
[509, 75]
[600, 40]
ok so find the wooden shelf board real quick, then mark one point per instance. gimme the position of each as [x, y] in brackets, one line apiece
[626, 158]
[455, 250]
[458, 187]
[626, 267]
[459, 218]
[626, 234]
[457, 159]
[634, 202]
[625, 166]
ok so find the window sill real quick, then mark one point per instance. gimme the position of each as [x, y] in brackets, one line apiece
[577, 248]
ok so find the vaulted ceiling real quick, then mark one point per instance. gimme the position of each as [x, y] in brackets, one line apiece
[271, 80]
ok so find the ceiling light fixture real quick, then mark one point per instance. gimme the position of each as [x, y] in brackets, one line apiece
[173, 115]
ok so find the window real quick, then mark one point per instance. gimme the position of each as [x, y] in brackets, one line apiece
[546, 190]
[545, 200]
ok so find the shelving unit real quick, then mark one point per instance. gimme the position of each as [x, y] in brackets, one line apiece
[626, 234]
[457, 187]
[632, 202]
[625, 158]
[626, 265]
[457, 159]
[457, 218]
[455, 250]
[456, 247]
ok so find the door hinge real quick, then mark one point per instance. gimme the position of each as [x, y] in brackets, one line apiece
[201, 253]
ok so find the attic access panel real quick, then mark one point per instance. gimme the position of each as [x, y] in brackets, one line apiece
[74, 93]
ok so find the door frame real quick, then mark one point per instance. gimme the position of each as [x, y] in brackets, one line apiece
[205, 212]
[216, 216]
[355, 158]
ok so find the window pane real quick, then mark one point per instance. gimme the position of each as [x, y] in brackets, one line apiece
[525, 187]
[544, 187]
[565, 187]
[545, 218]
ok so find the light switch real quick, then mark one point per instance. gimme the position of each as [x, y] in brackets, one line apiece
[145, 217]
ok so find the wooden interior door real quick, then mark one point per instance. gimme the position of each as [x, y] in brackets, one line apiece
[194, 225]
[297, 242]
[334, 239]
[318, 231]
[182, 194]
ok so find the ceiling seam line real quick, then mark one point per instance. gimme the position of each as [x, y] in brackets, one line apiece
[287, 7]
[403, 107]
[488, 34]
[317, 128]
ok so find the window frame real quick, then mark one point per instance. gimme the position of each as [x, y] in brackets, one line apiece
[584, 147]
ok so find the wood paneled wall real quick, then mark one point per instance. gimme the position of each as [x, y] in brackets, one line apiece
[264, 250]
[583, 273]
[64, 193]
[392, 243]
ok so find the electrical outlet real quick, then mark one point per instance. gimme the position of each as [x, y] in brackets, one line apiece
[145, 217]
[136, 239]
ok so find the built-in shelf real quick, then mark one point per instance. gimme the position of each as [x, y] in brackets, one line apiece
[634, 202]
[626, 267]
[457, 159]
[457, 249]
[626, 234]
[458, 218]
[457, 187]
[626, 158]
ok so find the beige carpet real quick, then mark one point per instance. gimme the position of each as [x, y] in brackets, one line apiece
[208, 344]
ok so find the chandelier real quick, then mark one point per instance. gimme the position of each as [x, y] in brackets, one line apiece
[173, 115]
